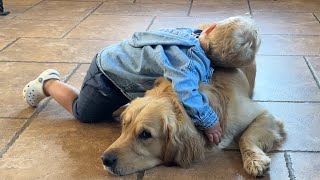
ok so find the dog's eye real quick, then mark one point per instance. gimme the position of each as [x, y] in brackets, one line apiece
[144, 135]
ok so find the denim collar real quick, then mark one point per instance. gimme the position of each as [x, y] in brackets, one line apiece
[196, 33]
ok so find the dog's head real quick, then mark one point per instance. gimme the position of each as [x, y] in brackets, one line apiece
[155, 130]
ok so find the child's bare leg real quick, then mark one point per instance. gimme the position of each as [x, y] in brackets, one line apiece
[61, 92]
[98, 98]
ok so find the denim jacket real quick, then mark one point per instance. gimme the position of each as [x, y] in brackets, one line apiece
[134, 64]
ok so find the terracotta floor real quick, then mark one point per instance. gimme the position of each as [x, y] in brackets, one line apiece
[48, 143]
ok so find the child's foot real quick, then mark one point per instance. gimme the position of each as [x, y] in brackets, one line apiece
[33, 92]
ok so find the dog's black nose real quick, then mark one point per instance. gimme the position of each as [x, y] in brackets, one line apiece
[109, 159]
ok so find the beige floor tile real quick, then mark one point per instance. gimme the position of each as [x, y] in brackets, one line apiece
[119, 8]
[318, 16]
[306, 165]
[14, 76]
[211, 8]
[9, 127]
[57, 146]
[284, 78]
[14, 11]
[190, 22]
[77, 79]
[35, 28]
[60, 10]
[53, 50]
[315, 63]
[88, 0]
[225, 165]
[21, 2]
[165, 1]
[5, 41]
[128, 1]
[289, 45]
[110, 27]
[287, 23]
[301, 122]
[285, 5]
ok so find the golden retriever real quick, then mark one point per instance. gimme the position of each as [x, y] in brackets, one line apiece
[156, 128]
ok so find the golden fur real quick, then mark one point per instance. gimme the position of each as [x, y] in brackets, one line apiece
[157, 130]
[174, 138]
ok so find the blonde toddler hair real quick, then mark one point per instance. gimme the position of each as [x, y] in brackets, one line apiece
[234, 42]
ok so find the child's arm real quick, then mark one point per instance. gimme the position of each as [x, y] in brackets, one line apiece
[196, 103]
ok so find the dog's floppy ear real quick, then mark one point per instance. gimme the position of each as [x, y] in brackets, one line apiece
[183, 144]
[161, 86]
[159, 81]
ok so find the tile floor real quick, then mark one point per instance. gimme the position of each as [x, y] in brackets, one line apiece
[48, 143]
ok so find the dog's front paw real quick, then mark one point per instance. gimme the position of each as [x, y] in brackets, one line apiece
[256, 164]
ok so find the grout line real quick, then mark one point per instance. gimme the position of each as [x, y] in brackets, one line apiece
[31, 7]
[289, 166]
[17, 15]
[189, 11]
[316, 17]
[140, 175]
[273, 101]
[34, 114]
[82, 20]
[71, 73]
[313, 72]
[8, 45]
[152, 21]
[250, 10]
[14, 17]
[25, 126]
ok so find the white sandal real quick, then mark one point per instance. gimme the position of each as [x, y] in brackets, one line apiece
[33, 91]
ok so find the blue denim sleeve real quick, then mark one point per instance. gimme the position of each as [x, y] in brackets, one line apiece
[186, 84]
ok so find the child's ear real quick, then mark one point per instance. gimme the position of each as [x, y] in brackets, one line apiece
[208, 30]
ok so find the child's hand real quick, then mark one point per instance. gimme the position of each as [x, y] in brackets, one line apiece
[214, 133]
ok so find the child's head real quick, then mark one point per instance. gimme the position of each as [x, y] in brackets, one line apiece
[230, 43]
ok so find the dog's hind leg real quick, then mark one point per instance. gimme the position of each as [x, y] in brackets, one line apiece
[259, 138]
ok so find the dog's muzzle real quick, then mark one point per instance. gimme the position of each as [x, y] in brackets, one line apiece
[109, 160]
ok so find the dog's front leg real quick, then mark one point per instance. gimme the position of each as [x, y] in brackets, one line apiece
[258, 139]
